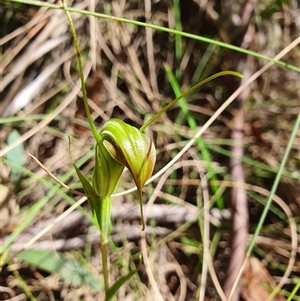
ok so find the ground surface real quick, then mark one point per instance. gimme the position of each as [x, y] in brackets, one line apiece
[212, 197]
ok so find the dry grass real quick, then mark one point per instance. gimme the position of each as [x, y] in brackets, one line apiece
[124, 66]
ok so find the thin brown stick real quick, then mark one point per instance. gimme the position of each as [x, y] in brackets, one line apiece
[239, 202]
[58, 180]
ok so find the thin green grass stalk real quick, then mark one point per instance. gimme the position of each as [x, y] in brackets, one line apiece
[251, 162]
[202, 64]
[126, 264]
[178, 38]
[294, 292]
[36, 207]
[16, 119]
[203, 82]
[81, 72]
[267, 257]
[178, 57]
[118, 252]
[272, 192]
[215, 243]
[160, 28]
[287, 294]
[193, 125]
[23, 285]
[205, 240]
[274, 186]
[177, 232]
[273, 208]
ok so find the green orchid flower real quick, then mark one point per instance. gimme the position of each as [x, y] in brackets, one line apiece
[119, 145]
[131, 148]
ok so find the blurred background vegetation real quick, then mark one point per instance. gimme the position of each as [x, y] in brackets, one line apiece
[131, 73]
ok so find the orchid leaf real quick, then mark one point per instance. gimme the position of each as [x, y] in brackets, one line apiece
[87, 186]
[115, 287]
[89, 190]
[122, 280]
[107, 171]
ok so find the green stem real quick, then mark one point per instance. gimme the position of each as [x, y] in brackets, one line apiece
[80, 66]
[104, 217]
[274, 186]
[160, 28]
[164, 109]
[141, 211]
[178, 38]
[104, 255]
[104, 220]
[271, 195]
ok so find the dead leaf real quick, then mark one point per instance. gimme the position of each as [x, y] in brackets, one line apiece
[257, 283]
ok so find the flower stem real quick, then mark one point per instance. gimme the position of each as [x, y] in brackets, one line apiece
[164, 109]
[80, 66]
[104, 220]
[104, 255]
